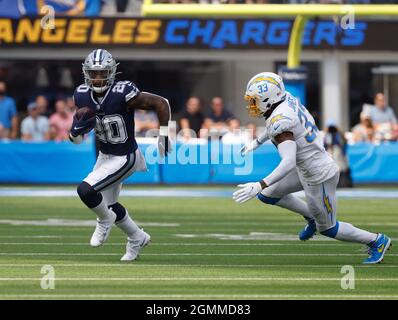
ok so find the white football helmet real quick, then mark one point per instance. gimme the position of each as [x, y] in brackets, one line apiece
[263, 91]
[99, 67]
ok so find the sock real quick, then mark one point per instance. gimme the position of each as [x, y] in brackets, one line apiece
[93, 200]
[295, 204]
[123, 221]
[102, 211]
[119, 210]
[347, 232]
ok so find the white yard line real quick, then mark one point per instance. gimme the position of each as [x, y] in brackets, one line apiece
[177, 244]
[137, 265]
[203, 296]
[198, 193]
[195, 279]
[188, 254]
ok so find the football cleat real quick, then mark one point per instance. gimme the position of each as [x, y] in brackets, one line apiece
[309, 231]
[378, 249]
[102, 230]
[134, 246]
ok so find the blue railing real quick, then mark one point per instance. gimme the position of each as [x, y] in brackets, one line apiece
[211, 163]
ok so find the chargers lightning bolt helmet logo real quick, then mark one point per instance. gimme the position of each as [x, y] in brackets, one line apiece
[263, 91]
[99, 69]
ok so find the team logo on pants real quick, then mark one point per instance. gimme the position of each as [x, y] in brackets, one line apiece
[326, 201]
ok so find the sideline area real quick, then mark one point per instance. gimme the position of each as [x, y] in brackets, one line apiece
[225, 192]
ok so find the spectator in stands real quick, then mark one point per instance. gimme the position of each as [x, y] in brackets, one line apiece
[192, 119]
[8, 114]
[383, 119]
[42, 104]
[70, 7]
[145, 121]
[60, 122]
[256, 1]
[35, 127]
[336, 145]
[218, 117]
[180, 1]
[252, 128]
[235, 135]
[121, 5]
[364, 130]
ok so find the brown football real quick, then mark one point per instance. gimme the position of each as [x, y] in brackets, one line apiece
[84, 113]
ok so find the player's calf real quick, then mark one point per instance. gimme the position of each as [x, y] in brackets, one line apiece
[124, 222]
[297, 205]
[119, 210]
[105, 217]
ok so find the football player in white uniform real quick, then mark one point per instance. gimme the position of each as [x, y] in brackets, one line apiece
[305, 165]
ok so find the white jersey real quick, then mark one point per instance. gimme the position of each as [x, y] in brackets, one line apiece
[314, 164]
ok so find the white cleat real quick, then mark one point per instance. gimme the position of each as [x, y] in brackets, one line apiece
[102, 230]
[134, 246]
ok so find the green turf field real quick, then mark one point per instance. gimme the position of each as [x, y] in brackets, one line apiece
[202, 248]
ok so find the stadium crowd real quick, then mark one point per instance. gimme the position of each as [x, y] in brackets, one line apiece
[13, 8]
[42, 121]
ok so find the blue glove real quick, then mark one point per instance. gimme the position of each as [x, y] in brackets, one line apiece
[82, 126]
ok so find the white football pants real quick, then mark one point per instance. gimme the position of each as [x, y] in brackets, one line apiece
[110, 171]
[321, 198]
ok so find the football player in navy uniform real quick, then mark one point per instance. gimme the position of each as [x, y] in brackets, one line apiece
[119, 157]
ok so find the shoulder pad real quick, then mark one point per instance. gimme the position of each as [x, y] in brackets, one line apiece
[127, 88]
[280, 123]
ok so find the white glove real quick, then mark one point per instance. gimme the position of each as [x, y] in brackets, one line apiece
[247, 191]
[252, 145]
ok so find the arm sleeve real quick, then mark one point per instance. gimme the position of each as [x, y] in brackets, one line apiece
[287, 150]
[263, 137]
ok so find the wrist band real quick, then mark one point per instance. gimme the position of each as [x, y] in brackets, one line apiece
[163, 131]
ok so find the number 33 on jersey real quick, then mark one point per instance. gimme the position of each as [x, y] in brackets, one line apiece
[311, 158]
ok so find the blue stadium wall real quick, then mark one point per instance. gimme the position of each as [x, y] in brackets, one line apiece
[64, 163]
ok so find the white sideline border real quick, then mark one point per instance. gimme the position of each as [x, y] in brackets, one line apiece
[198, 193]
[207, 296]
[138, 265]
[231, 279]
[192, 254]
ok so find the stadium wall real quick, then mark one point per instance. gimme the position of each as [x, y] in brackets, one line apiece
[213, 163]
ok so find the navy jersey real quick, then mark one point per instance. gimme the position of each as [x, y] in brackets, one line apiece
[114, 129]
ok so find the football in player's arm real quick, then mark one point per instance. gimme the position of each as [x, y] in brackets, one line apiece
[142, 100]
[109, 107]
